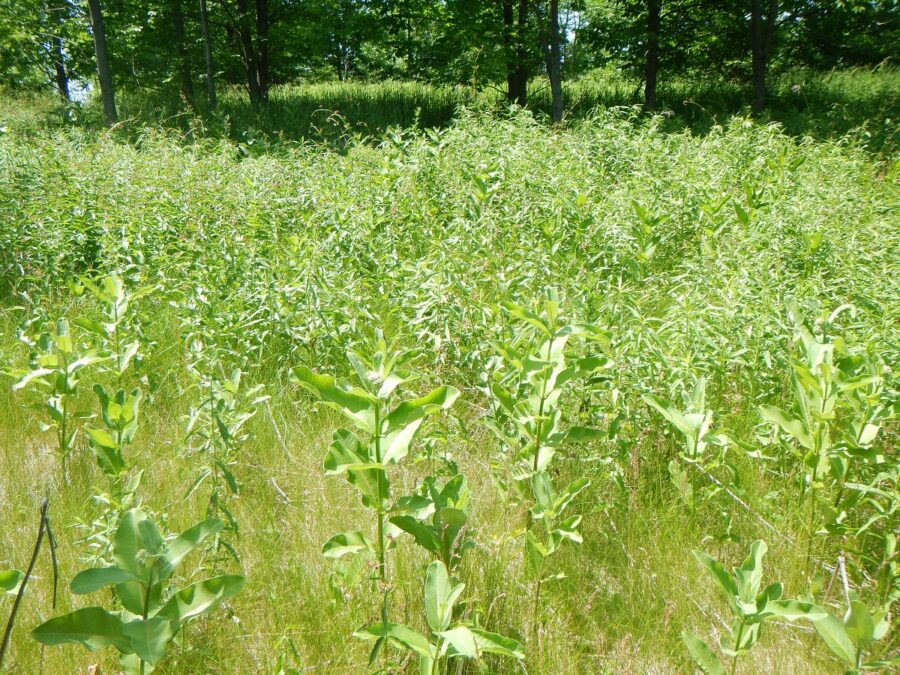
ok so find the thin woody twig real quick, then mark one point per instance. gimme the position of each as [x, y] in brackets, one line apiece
[42, 529]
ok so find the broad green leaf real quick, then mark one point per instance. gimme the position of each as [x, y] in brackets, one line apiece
[417, 506]
[789, 425]
[91, 326]
[569, 493]
[748, 639]
[346, 452]
[882, 664]
[719, 574]
[401, 424]
[127, 543]
[426, 665]
[123, 359]
[440, 596]
[91, 580]
[200, 598]
[151, 538]
[451, 522]
[590, 364]
[792, 610]
[686, 424]
[584, 435]
[492, 643]
[91, 627]
[703, 656]
[504, 398]
[131, 406]
[348, 456]
[404, 635]
[132, 594]
[587, 331]
[528, 316]
[34, 374]
[769, 593]
[10, 580]
[109, 460]
[542, 489]
[535, 552]
[131, 665]
[859, 624]
[150, 638]
[392, 381]
[835, 636]
[461, 642]
[424, 533]
[882, 623]
[184, 543]
[357, 404]
[346, 543]
[455, 493]
[102, 438]
[568, 529]
[868, 434]
[749, 575]
[86, 360]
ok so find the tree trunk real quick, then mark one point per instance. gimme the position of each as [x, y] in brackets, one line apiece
[184, 66]
[513, 41]
[245, 35]
[262, 51]
[763, 32]
[512, 90]
[103, 72]
[207, 53]
[653, 12]
[573, 51]
[522, 55]
[208, 56]
[59, 68]
[554, 68]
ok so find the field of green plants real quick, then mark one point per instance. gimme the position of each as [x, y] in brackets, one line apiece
[485, 397]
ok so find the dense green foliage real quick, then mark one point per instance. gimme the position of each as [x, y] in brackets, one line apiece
[698, 329]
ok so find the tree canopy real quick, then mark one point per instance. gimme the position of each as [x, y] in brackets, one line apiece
[184, 46]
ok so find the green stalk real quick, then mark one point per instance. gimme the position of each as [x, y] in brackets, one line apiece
[537, 601]
[812, 491]
[737, 647]
[147, 607]
[63, 443]
[382, 570]
[436, 661]
[540, 425]
[116, 340]
[812, 517]
[214, 498]
[540, 421]
[117, 481]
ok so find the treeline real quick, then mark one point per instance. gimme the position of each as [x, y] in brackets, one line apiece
[191, 47]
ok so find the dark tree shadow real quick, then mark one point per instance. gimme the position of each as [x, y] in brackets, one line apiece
[828, 106]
